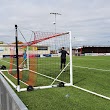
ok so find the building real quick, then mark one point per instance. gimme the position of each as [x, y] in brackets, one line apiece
[7, 50]
[92, 50]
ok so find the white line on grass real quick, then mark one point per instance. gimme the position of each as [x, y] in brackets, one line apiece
[13, 77]
[14, 86]
[8, 62]
[90, 59]
[16, 78]
[46, 76]
[94, 93]
[90, 68]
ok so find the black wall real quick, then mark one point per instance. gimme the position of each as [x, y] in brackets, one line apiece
[96, 50]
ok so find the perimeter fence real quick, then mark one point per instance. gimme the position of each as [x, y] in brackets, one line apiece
[8, 98]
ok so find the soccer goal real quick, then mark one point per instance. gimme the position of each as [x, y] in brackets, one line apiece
[49, 73]
[39, 61]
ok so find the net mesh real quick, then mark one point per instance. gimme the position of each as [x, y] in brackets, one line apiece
[48, 57]
[42, 65]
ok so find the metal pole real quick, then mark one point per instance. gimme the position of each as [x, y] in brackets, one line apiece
[71, 68]
[55, 19]
[16, 39]
[55, 23]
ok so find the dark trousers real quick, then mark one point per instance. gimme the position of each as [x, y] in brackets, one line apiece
[63, 61]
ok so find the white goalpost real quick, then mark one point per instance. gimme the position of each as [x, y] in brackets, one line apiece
[42, 63]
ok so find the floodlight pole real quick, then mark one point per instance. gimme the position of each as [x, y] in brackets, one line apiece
[55, 19]
[16, 39]
[55, 23]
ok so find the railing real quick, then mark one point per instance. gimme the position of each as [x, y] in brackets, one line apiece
[8, 98]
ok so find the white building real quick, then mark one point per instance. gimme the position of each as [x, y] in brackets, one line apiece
[7, 50]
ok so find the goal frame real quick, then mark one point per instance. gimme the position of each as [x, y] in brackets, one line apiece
[56, 79]
[19, 89]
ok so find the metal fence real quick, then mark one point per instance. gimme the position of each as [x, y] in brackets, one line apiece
[8, 98]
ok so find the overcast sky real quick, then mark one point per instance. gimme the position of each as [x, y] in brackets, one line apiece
[88, 20]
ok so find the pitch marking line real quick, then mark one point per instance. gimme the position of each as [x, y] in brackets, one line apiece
[94, 93]
[90, 68]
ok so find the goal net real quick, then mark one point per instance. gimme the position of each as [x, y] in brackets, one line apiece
[48, 64]
[39, 60]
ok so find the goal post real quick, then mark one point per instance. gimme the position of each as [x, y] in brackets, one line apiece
[48, 59]
[71, 67]
[43, 62]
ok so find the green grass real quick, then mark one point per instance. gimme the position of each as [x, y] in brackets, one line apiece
[14, 80]
[94, 80]
[56, 99]
[69, 98]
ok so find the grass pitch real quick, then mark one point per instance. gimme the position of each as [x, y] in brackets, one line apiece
[92, 73]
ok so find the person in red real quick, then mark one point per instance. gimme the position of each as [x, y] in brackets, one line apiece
[63, 57]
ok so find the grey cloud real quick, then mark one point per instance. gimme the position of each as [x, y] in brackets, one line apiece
[87, 19]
